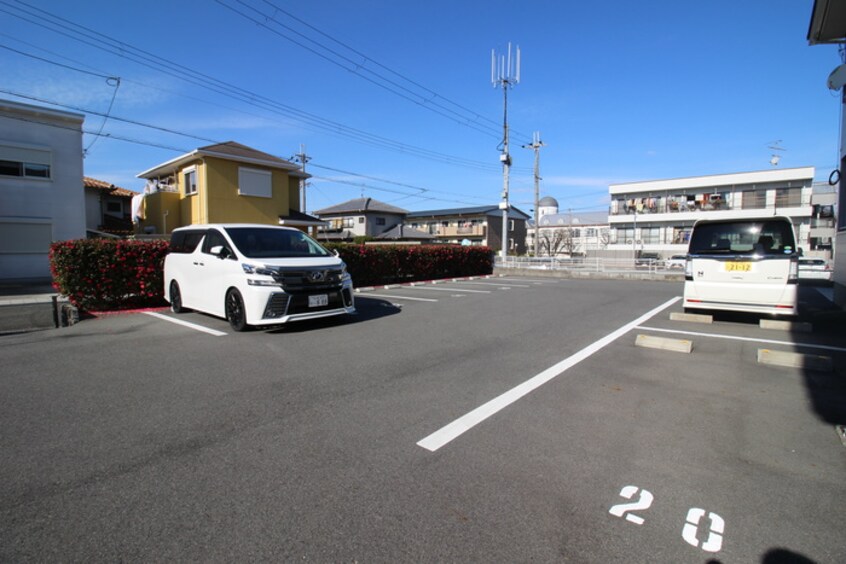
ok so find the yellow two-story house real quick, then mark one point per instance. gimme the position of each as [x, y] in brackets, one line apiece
[222, 183]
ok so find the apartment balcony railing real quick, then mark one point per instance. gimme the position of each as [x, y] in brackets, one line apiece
[452, 231]
[682, 207]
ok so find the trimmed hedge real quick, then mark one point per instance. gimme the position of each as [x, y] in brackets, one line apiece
[109, 274]
[371, 265]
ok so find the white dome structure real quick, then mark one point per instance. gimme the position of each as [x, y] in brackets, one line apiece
[546, 206]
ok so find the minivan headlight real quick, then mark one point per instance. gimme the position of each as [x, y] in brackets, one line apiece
[258, 269]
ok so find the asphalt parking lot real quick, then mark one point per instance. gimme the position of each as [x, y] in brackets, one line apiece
[510, 419]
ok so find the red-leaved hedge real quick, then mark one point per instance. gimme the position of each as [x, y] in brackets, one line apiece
[371, 265]
[109, 274]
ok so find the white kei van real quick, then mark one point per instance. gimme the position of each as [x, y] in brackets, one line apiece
[747, 265]
[254, 275]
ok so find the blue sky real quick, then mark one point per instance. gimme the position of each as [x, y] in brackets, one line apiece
[401, 108]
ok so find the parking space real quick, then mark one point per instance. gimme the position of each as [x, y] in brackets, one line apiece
[520, 421]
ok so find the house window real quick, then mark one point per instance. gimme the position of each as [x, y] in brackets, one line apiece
[26, 162]
[788, 197]
[650, 235]
[114, 207]
[190, 177]
[754, 199]
[380, 221]
[256, 183]
[349, 222]
[511, 225]
[625, 235]
[361, 220]
[681, 235]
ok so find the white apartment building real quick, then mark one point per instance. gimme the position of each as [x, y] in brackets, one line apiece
[41, 192]
[657, 215]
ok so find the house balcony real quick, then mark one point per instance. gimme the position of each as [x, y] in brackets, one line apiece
[452, 231]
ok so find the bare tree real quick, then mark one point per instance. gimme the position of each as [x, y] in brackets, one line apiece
[554, 241]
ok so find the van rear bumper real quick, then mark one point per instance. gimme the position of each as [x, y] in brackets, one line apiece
[765, 300]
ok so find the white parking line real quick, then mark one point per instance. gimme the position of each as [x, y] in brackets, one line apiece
[746, 339]
[546, 281]
[427, 288]
[395, 297]
[511, 284]
[458, 427]
[186, 324]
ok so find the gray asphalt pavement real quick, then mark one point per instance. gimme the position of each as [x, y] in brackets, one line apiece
[134, 438]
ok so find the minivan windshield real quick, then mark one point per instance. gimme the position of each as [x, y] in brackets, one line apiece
[267, 242]
[762, 237]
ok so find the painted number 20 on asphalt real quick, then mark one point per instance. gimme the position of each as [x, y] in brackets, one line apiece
[642, 500]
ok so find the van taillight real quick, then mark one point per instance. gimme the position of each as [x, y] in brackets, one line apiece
[793, 275]
[688, 269]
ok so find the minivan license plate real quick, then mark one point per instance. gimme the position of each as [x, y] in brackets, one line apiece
[738, 266]
[318, 300]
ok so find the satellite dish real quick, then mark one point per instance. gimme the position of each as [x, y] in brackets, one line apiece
[774, 161]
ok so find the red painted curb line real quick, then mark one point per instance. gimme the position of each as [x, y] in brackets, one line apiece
[124, 311]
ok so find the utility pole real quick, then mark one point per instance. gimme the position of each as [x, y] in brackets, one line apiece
[505, 73]
[536, 145]
[302, 158]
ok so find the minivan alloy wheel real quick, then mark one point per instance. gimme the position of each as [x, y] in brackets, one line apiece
[176, 298]
[235, 313]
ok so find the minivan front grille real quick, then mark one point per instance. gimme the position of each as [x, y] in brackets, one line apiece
[309, 279]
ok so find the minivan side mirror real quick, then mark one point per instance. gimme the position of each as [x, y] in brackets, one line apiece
[220, 252]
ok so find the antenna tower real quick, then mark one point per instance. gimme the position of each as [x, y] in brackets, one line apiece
[505, 72]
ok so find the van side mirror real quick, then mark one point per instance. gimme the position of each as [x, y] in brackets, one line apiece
[220, 252]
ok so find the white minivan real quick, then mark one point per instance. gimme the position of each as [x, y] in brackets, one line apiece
[747, 265]
[254, 275]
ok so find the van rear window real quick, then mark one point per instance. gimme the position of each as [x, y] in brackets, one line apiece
[764, 237]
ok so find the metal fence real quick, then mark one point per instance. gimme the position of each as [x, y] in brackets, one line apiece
[587, 264]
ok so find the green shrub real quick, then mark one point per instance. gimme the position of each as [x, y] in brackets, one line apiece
[107, 274]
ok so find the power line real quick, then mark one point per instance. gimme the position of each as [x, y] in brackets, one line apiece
[66, 28]
[423, 190]
[358, 68]
[109, 135]
[388, 190]
[114, 118]
[99, 134]
[25, 54]
[475, 115]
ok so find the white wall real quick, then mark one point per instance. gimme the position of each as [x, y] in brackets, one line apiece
[37, 211]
